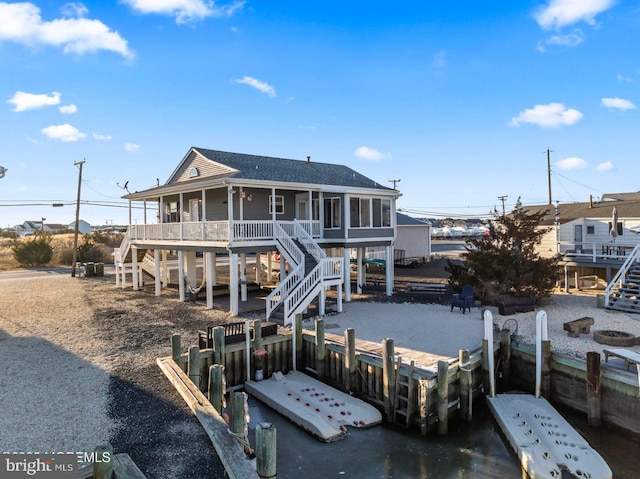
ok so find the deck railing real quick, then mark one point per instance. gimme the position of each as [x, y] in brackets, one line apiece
[596, 251]
[242, 231]
[617, 280]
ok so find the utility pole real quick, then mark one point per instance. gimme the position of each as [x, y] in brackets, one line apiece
[549, 173]
[75, 236]
[502, 198]
[394, 183]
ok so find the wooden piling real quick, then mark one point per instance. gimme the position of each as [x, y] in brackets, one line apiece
[176, 347]
[505, 359]
[218, 345]
[443, 397]
[217, 387]
[194, 365]
[594, 396]
[299, 344]
[546, 369]
[321, 351]
[466, 385]
[238, 420]
[423, 398]
[350, 360]
[103, 469]
[486, 374]
[257, 335]
[266, 450]
[388, 377]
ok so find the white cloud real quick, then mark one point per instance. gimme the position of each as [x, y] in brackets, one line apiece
[560, 13]
[572, 163]
[68, 109]
[23, 101]
[548, 116]
[258, 85]
[618, 103]
[621, 78]
[370, 154]
[605, 166]
[98, 136]
[130, 147]
[21, 23]
[184, 11]
[440, 58]
[569, 40]
[63, 133]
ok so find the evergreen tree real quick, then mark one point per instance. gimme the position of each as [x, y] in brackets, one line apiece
[506, 261]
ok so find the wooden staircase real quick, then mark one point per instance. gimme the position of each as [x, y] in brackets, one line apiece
[627, 296]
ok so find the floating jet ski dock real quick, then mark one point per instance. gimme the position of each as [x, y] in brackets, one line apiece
[545, 443]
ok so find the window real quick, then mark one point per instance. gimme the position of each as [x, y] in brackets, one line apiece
[194, 173]
[332, 214]
[172, 212]
[619, 228]
[360, 209]
[381, 213]
[279, 203]
[591, 230]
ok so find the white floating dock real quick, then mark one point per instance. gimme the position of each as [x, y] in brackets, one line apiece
[544, 441]
[319, 409]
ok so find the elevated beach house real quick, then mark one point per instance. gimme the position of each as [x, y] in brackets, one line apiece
[599, 245]
[308, 215]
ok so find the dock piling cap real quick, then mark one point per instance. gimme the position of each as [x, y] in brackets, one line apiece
[260, 352]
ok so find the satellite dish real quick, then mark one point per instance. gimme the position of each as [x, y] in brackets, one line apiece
[3, 170]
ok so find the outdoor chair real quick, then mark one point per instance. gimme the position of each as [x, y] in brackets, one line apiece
[464, 299]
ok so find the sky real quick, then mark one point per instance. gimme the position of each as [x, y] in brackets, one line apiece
[465, 103]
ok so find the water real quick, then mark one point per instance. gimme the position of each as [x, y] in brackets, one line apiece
[475, 450]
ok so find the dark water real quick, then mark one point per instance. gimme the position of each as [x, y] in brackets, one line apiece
[470, 450]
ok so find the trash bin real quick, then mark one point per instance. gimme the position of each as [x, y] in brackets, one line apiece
[99, 269]
[259, 360]
[89, 270]
[600, 301]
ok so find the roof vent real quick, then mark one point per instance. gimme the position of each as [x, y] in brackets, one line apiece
[308, 159]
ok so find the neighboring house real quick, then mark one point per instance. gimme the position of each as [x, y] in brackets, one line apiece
[237, 204]
[83, 227]
[581, 234]
[413, 237]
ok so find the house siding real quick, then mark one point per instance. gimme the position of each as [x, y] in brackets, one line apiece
[357, 233]
[205, 167]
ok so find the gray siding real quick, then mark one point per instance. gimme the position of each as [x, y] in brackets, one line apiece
[217, 205]
[370, 232]
[205, 166]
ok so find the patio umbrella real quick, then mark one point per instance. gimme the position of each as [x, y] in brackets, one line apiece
[613, 232]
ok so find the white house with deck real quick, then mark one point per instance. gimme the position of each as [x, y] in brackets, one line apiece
[220, 203]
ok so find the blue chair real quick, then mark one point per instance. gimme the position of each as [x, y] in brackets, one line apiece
[464, 299]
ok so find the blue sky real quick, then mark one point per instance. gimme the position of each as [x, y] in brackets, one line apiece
[458, 100]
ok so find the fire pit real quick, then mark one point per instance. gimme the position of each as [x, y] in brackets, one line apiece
[614, 338]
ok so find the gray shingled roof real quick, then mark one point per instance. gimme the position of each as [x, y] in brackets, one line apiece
[254, 167]
[627, 205]
[405, 220]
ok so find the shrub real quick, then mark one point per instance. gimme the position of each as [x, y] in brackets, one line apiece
[36, 251]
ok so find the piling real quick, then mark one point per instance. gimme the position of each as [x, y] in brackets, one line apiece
[176, 347]
[218, 345]
[257, 335]
[546, 369]
[194, 365]
[238, 420]
[486, 373]
[321, 351]
[388, 377]
[443, 397]
[466, 385]
[103, 469]
[350, 360]
[217, 387]
[266, 450]
[594, 400]
[505, 359]
[299, 343]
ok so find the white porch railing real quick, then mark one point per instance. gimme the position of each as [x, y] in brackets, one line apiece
[245, 230]
[596, 251]
[617, 280]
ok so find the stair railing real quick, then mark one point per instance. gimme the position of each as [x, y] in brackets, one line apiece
[308, 242]
[302, 295]
[617, 280]
[120, 254]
